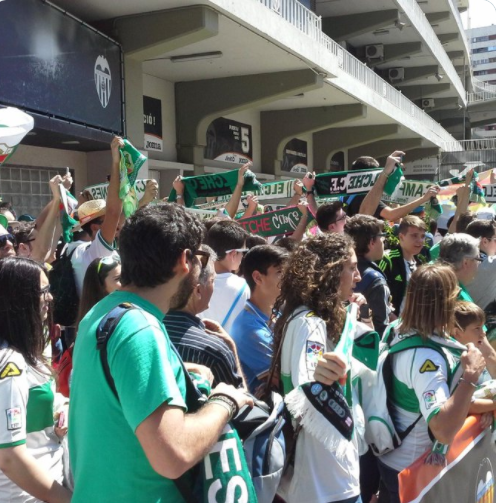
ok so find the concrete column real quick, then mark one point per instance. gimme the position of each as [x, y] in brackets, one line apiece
[133, 85]
[326, 142]
[384, 148]
[198, 103]
[278, 127]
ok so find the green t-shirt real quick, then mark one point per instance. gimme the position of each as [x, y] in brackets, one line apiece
[107, 459]
[434, 251]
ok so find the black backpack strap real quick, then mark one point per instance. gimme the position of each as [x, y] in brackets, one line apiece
[387, 374]
[104, 332]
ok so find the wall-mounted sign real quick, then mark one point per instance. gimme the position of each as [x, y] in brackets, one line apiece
[295, 156]
[229, 141]
[55, 65]
[152, 117]
[427, 166]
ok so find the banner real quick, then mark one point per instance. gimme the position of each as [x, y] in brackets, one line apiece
[346, 183]
[490, 193]
[152, 117]
[468, 476]
[295, 156]
[274, 223]
[204, 214]
[99, 191]
[14, 125]
[229, 141]
[408, 191]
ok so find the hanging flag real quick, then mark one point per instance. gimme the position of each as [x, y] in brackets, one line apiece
[68, 204]
[14, 125]
[131, 162]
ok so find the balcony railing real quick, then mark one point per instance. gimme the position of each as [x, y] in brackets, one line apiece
[310, 24]
[485, 144]
[482, 91]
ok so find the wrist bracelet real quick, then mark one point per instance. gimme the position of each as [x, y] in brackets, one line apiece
[468, 382]
[224, 405]
[221, 397]
[179, 196]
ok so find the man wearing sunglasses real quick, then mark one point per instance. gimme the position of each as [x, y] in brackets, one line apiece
[368, 234]
[331, 217]
[7, 241]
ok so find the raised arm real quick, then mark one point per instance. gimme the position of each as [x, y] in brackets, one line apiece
[252, 206]
[309, 183]
[298, 192]
[178, 186]
[373, 198]
[401, 211]
[232, 205]
[151, 193]
[463, 200]
[114, 204]
[302, 224]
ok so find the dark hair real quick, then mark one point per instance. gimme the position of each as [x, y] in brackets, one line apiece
[411, 221]
[23, 233]
[225, 235]
[363, 228]
[20, 307]
[326, 214]
[433, 227]
[463, 220]
[152, 241]
[260, 258]
[481, 228]
[365, 162]
[87, 227]
[254, 240]
[287, 243]
[94, 284]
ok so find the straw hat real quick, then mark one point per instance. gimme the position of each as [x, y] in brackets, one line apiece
[90, 210]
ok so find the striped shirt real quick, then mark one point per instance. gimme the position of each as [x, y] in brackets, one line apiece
[195, 345]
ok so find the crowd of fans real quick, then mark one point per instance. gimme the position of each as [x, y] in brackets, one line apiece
[248, 315]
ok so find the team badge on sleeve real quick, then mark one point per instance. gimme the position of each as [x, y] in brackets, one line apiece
[428, 366]
[314, 351]
[10, 370]
[14, 418]
[429, 399]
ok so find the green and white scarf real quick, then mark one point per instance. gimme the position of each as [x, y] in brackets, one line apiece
[131, 162]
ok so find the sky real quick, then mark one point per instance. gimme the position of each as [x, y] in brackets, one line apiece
[482, 13]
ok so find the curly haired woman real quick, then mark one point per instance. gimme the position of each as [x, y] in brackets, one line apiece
[318, 279]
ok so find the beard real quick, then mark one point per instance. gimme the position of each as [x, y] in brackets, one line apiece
[184, 291]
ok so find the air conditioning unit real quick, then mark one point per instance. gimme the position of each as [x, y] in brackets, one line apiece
[396, 74]
[428, 103]
[375, 51]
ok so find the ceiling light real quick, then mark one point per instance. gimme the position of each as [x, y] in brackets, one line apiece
[196, 57]
[399, 24]
[70, 142]
[439, 77]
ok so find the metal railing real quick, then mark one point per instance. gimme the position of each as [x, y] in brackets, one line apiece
[479, 144]
[310, 24]
[482, 91]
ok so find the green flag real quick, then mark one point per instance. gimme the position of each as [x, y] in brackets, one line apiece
[130, 164]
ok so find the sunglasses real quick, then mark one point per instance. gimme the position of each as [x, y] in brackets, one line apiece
[238, 250]
[107, 261]
[341, 218]
[203, 257]
[5, 238]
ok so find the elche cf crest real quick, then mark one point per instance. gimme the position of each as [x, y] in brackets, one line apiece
[103, 80]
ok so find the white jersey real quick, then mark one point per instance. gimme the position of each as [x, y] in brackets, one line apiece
[229, 298]
[318, 476]
[84, 254]
[28, 398]
[420, 387]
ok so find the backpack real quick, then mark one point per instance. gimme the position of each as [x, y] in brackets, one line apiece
[380, 431]
[260, 428]
[64, 291]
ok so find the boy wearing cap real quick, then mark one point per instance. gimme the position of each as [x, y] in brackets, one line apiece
[99, 219]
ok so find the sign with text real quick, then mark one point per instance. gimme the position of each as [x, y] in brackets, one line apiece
[427, 166]
[490, 193]
[408, 191]
[152, 117]
[295, 156]
[273, 223]
[99, 191]
[229, 141]
[346, 182]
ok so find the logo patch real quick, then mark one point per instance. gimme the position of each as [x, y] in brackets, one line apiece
[429, 399]
[10, 370]
[103, 80]
[14, 418]
[428, 366]
[310, 314]
[316, 388]
[314, 351]
[398, 278]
